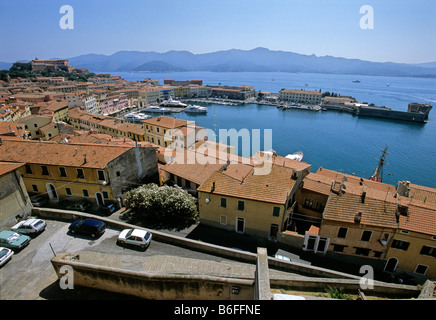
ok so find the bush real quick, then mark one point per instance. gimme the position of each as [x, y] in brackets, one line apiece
[162, 202]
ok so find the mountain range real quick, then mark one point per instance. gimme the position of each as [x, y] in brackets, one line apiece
[235, 60]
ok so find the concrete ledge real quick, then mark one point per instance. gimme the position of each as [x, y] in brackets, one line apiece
[349, 285]
[153, 286]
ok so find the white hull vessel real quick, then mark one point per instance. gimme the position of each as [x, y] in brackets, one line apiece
[295, 156]
[170, 103]
[156, 109]
[196, 109]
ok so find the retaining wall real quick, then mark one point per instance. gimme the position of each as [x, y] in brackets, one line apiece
[152, 286]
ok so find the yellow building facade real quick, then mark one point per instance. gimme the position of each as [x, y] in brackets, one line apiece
[96, 173]
[235, 198]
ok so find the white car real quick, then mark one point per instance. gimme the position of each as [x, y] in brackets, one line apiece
[30, 226]
[135, 237]
[5, 255]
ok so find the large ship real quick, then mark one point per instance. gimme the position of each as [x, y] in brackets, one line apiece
[416, 112]
[170, 103]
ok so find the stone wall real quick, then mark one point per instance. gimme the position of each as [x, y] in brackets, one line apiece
[152, 286]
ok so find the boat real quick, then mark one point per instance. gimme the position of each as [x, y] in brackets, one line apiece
[156, 109]
[195, 109]
[136, 117]
[295, 156]
[170, 103]
[356, 81]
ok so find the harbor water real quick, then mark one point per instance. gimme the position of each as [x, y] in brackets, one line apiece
[330, 139]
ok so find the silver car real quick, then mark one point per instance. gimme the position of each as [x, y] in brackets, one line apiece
[30, 226]
[5, 255]
[135, 237]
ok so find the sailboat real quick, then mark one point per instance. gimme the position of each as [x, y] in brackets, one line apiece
[378, 173]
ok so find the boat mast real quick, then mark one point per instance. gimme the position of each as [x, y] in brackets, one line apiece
[378, 173]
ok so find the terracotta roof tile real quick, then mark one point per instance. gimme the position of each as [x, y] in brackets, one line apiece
[6, 167]
[344, 207]
[49, 153]
[238, 181]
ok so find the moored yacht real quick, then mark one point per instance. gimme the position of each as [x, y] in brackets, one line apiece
[170, 103]
[295, 156]
[156, 109]
[195, 109]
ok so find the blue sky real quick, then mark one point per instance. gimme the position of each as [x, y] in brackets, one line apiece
[404, 31]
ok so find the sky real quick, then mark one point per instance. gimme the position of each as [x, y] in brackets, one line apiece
[403, 31]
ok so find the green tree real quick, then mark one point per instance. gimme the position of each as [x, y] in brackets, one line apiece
[150, 200]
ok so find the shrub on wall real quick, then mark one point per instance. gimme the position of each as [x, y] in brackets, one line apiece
[162, 202]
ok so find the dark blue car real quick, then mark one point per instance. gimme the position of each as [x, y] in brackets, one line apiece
[88, 226]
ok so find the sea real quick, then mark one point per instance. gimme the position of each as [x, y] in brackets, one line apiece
[329, 139]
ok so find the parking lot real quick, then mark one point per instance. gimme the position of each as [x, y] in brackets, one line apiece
[29, 275]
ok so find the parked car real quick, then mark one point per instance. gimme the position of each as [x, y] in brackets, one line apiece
[5, 255]
[135, 237]
[13, 240]
[88, 226]
[107, 209]
[78, 206]
[39, 200]
[30, 226]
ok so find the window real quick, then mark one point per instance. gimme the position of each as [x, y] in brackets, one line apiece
[62, 172]
[377, 254]
[421, 269]
[276, 212]
[68, 192]
[187, 184]
[80, 174]
[35, 188]
[28, 169]
[85, 193]
[428, 251]
[44, 170]
[362, 251]
[366, 235]
[118, 173]
[338, 248]
[241, 205]
[308, 203]
[342, 233]
[172, 177]
[105, 194]
[224, 202]
[400, 244]
[319, 207]
[100, 174]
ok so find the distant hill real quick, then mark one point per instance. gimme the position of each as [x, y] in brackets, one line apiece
[158, 66]
[234, 60]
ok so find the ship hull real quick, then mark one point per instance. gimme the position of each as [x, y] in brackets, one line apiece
[392, 114]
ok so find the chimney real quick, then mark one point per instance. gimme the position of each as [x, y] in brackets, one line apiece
[358, 217]
[363, 196]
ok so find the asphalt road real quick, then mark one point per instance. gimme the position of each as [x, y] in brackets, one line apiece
[29, 275]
